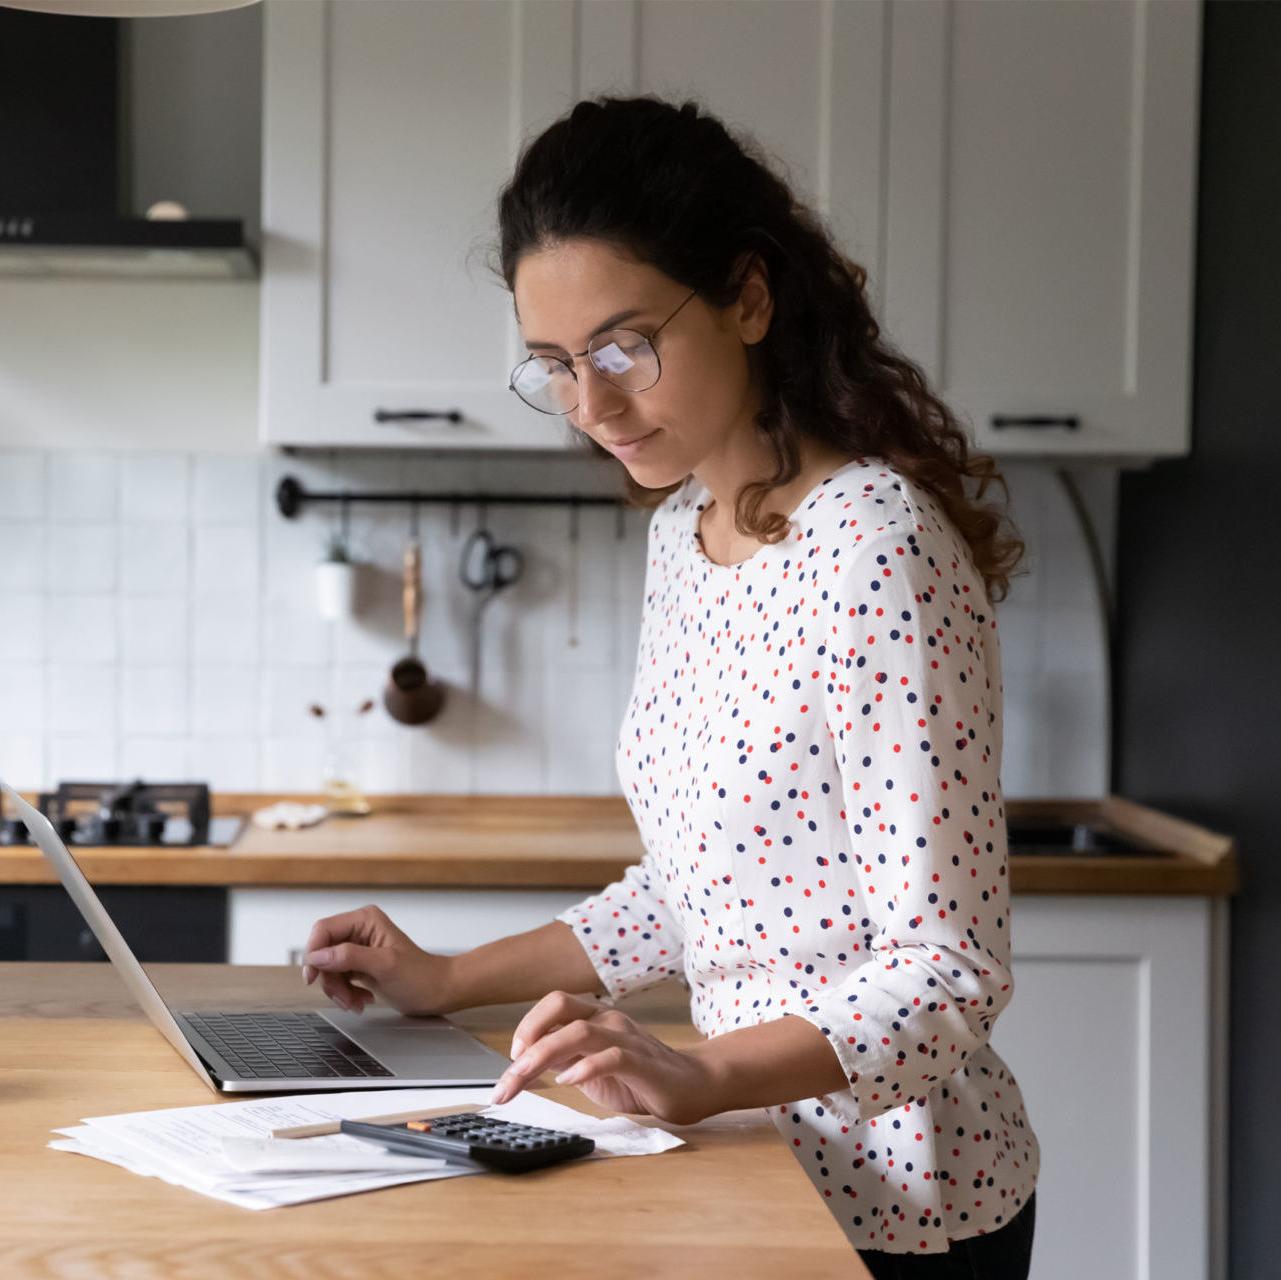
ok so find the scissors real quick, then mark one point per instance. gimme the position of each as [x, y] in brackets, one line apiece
[489, 568]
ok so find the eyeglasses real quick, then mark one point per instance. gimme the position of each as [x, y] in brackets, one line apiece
[621, 356]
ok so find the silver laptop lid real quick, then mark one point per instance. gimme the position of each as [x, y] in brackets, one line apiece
[109, 937]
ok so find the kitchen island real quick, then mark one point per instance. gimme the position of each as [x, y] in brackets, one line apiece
[73, 1045]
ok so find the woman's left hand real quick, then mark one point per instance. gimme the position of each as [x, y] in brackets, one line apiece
[610, 1058]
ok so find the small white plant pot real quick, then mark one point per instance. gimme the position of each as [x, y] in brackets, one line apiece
[335, 589]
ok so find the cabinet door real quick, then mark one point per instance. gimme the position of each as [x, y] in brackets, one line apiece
[803, 77]
[389, 128]
[1039, 217]
[1109, 1035]
[270, 926]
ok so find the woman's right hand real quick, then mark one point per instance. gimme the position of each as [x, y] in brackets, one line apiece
[360, 954]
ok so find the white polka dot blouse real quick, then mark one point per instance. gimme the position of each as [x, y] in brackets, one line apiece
[812, 753]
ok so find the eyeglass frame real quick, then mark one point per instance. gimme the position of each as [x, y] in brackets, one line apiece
[575, 355]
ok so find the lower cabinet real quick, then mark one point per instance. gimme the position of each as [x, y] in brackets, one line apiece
[1116, 1035]
[270, 926]
[162, 924]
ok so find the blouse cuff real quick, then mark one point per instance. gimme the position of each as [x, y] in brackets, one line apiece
[844, 1102]
[627, 953]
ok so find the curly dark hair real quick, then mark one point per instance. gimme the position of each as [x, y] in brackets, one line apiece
[675, 188]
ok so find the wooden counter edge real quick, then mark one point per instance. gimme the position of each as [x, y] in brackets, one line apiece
[1080, 875]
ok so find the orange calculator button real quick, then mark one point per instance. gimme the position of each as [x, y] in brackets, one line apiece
[422, 1126]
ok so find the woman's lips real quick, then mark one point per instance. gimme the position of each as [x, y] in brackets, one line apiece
[631, 447]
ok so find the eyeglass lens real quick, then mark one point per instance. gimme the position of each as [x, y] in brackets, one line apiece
[621, 356]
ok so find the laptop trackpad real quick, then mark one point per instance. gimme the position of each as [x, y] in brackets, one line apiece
[419, 1046]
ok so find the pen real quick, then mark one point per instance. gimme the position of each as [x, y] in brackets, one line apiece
[332, 1126]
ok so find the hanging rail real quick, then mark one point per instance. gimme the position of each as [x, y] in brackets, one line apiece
[292, 496]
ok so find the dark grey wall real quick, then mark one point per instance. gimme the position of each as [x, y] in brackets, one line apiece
[1199, 585]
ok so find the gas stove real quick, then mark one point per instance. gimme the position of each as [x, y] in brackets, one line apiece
[129, 814]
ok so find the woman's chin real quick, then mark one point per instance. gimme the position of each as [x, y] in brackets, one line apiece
[654, 475]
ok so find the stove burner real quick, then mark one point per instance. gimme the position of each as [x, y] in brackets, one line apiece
[132, 814]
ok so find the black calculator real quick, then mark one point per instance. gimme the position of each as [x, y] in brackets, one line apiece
[482, 1140]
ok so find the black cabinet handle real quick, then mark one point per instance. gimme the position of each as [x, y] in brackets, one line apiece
[1071, 421]
[416, 415]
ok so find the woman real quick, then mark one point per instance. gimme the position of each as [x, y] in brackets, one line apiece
[813, 743]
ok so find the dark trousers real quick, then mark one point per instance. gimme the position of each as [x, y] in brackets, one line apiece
[999, 1255]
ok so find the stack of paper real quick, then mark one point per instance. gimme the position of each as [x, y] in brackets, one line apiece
[226, 1151]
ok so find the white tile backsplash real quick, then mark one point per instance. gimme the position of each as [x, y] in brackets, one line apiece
[225, 561]
[82, 557]
[158, 759]
[22, 760]
[225, 628]
[22, 698]
[153, 629]
[161, 622]
[22, 485]
[82, 629]
[83, 487]
[226, 700]
[154, 561]
[228, 490]
[81, 700]
[154, 700]
[22, 631]
[154, 488]
[22, 557]
[78, 758]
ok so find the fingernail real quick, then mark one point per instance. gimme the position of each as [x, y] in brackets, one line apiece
[568, 1076]
[522, 1064]
[341, 1003]
[518, 1047]
[308, 973]
[500, 1093]
[322, 957]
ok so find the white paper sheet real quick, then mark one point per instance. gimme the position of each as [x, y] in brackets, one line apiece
[225, 1151]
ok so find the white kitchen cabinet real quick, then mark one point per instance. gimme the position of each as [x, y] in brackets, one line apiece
[1039, 208]
[1018, 179]
[270, 926]
[1115, 1035]
[389, 127]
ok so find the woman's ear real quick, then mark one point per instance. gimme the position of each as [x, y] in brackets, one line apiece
[755, 303]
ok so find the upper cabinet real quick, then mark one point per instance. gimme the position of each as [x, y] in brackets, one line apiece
[389, 128]
[1018, 179]
[1038, 249]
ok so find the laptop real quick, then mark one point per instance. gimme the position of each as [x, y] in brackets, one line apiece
[292, 1052]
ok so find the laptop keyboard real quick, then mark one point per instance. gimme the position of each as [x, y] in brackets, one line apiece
[284, 1046]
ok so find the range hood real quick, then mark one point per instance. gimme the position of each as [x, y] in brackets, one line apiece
[66, 245]
[64, 165]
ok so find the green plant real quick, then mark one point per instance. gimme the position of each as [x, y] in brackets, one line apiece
[336, 550]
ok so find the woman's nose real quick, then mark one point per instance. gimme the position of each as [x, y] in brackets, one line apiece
[598, 398]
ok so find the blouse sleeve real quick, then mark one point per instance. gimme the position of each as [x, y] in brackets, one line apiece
[627, 931]
[912, 702]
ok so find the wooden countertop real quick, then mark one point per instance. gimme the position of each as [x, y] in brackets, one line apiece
[72, 1044]
[547, 842]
